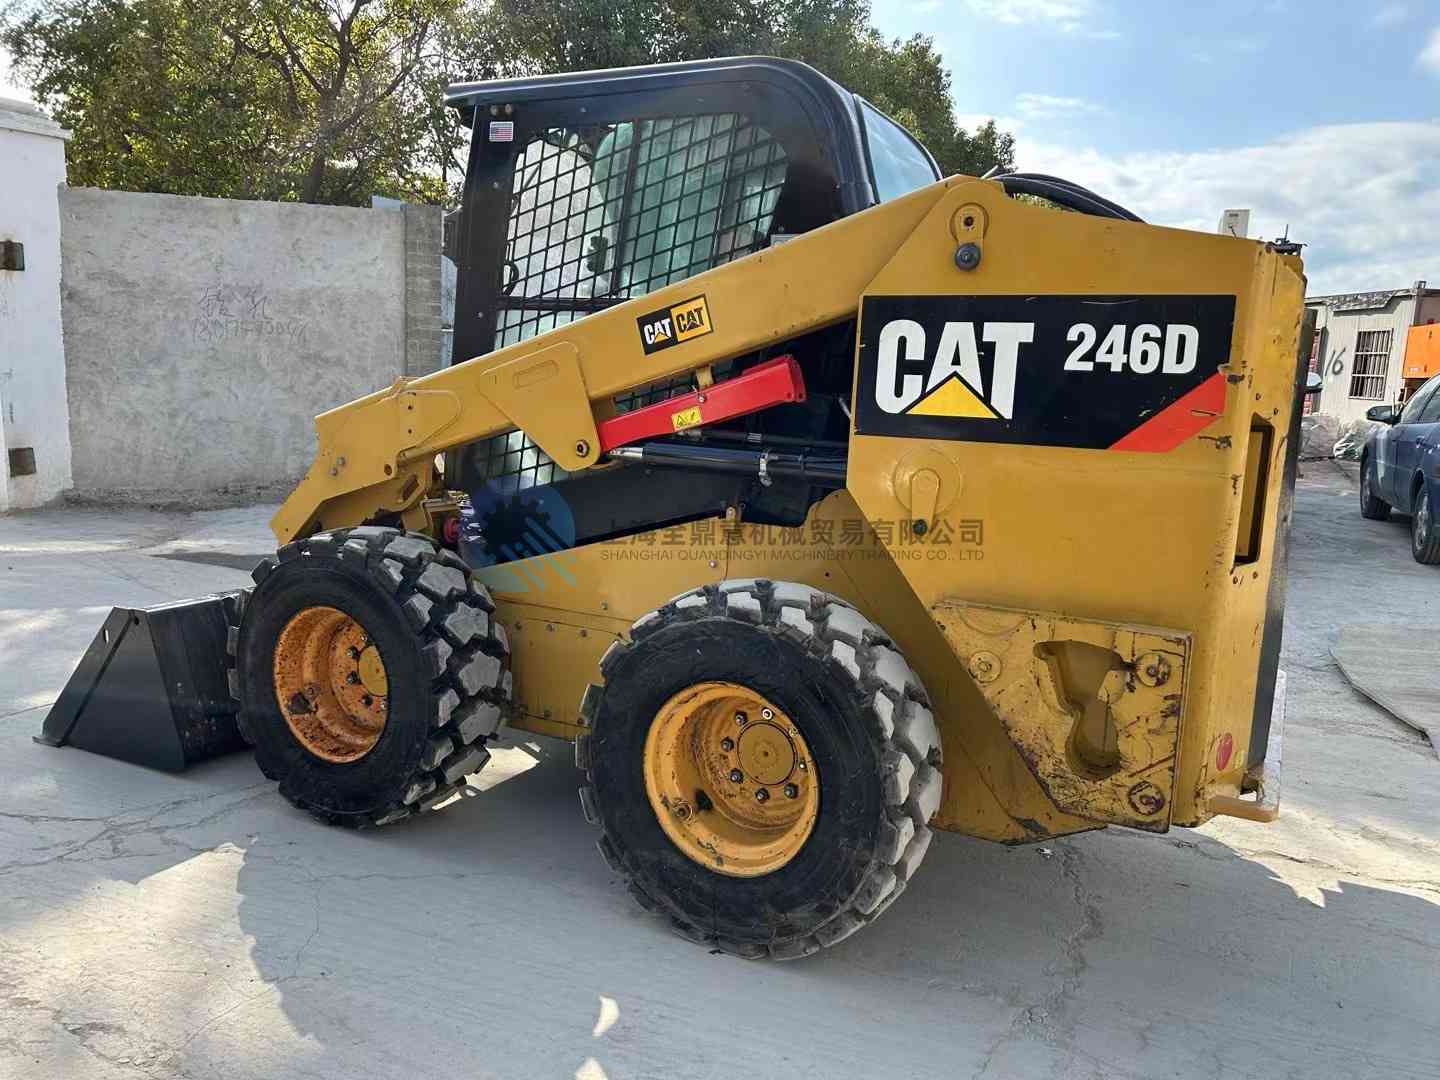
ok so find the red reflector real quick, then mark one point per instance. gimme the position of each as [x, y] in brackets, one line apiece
[1223, 750]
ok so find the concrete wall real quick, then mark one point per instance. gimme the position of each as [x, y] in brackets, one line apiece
[33, 413]
[202, 335]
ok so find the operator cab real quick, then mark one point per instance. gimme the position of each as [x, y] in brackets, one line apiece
[586, 190]
[589, 189]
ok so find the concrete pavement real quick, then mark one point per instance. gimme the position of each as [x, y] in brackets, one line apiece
[196, 926]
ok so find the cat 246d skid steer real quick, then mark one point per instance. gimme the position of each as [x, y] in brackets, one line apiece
[820, 500]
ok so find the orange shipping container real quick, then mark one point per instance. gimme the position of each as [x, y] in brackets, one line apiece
[1422, 351]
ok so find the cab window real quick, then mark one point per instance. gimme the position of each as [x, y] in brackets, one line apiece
[898, 164]
[1430, 410]
[1418, 400]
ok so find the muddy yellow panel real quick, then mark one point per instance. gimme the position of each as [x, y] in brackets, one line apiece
[1100, 409]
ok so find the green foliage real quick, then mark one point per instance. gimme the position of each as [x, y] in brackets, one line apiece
[332, 100]
[259, 99]
[906, 79]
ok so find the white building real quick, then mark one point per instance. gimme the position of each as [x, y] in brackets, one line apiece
[34, 418]
[1360, 345]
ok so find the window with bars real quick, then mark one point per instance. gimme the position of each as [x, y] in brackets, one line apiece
[604, 213]
[1372, 362]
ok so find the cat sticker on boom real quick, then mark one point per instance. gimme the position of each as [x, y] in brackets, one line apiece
[1137, 373]
[671, 325]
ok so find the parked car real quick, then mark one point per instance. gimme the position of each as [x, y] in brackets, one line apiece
[1400, 468]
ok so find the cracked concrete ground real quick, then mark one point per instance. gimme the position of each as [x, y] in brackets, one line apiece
[193, 925]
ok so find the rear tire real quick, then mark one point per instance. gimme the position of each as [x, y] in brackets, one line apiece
[445, 659]
[859, 709]
[1371, 507]
[1424, 536]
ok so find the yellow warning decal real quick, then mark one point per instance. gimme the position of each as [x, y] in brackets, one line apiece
[686, 418]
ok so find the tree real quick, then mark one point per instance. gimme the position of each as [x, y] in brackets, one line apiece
[333, 100]
[313, 101]
[906, 79]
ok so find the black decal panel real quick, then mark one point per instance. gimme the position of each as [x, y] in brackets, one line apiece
[1083, 371]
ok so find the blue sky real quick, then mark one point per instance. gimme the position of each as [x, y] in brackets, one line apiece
[1319, 116]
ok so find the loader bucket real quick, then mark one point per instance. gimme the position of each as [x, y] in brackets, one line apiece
[152, 688]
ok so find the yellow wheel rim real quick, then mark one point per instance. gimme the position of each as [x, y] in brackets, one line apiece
[330, 684]
[730, 779]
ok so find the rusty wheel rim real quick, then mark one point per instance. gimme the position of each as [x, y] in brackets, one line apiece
[330, 684]
[731, 780]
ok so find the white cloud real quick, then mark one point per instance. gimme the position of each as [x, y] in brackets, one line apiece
[1077, 17]
[1430, 55]
[1390, 15]
[1364, 197]
[1050, 107]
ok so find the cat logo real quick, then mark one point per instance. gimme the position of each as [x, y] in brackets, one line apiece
[1107, 372]
[675, 324]
[954, 385]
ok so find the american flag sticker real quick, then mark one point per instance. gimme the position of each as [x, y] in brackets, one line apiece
[502, 130]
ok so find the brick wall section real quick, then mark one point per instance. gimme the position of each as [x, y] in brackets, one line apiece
[424, 343]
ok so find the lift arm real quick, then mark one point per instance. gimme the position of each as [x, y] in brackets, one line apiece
[376, 454]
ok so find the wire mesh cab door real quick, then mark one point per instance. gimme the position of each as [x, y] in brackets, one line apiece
[584, 192]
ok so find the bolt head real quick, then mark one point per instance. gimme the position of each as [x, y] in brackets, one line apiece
[985, 666]
[367, 700]
[1152, 669]
[740, 717]
[353, 653]
[761, 795]
[736, 776]
[352, 678]
[767, 714]
[582, 448]
[967, 256]
[727, 744]
[791, 791]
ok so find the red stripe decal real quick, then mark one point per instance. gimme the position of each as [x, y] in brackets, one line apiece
[1175, 423]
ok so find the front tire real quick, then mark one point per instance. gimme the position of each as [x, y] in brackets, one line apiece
[1371, 507]
[1424, 536]
[370, 674]
[860, 720]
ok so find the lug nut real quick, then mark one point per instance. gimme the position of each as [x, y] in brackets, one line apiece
[802, 766]
[736, 776]
[727, 744]
[352, 678]
[766, 714]
[761, 795]
[367, 700]
[740, 717]
[791, 791]
[353, 653]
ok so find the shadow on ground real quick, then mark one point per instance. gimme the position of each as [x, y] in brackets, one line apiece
[1105, 955]
[486, 935]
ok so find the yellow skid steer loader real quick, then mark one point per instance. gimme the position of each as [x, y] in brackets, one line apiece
[820, 500]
